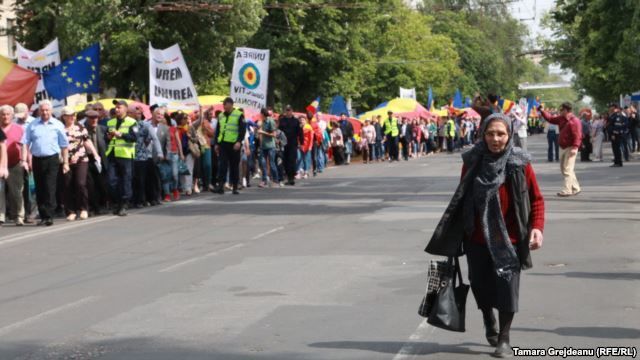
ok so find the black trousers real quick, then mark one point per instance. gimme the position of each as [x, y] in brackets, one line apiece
[616, 146]
[26, 195]
[45, 174]
[119, 173]
[140, 172]
[214, 166]
[76, 194]
[154, 184]
[490, 290]
[97, 187]
[405, 147]
[338, 155]
[392, 143]
[586, 148]
[229, 160]
[290, 160]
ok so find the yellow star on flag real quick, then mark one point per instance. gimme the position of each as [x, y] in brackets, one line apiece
[70, 62]
[64, 74]
[78, 84]
[85, 86]
[69, 80]
[93, 68]
[79, 57]
[90, 82]
[88, 59]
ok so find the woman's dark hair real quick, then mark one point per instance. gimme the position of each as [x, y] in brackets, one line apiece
[218, 112]
[264, 112]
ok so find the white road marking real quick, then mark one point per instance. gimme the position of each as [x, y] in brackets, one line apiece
[19, 237]
[26, 322]
[66, 226]
[408, 350]
[267, 233]
[199, 258]
[344, 184]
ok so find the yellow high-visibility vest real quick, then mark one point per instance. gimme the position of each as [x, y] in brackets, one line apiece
[229, 126]
[123, 149]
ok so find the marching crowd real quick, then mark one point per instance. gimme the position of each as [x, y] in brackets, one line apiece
[96, 160]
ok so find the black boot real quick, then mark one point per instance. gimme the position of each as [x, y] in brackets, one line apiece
[503, 349]
[490, 327]
[235, 190]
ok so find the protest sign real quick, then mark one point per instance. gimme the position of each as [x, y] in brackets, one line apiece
[250, 77]
[170, 82]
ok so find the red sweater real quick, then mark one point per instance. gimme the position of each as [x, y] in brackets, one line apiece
[307, 133]
[537, 208]
[570, 129]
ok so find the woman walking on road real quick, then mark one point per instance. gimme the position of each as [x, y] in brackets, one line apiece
[495, 217]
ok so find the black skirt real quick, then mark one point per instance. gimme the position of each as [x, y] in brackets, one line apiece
[490, 290]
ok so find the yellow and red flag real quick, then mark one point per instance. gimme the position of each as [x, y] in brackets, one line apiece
[17, 84]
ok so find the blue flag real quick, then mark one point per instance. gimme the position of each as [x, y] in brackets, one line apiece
[76, 75]
[338, 106]
[457, 100]
[467, 102]
[430, 100]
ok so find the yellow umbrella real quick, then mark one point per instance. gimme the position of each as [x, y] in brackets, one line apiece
[398, 106]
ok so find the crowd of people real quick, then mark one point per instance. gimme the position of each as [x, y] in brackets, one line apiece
[96, 160]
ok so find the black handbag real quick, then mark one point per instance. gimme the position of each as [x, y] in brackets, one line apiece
[448, 308]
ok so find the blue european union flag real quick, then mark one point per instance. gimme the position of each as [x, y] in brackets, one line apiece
[76, 75]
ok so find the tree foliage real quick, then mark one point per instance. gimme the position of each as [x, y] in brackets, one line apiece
[124, 29]
[599, 40]
[364, 53]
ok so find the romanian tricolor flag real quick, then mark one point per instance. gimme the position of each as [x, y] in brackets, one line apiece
[507, 105]
[313, 107]
[17, 85]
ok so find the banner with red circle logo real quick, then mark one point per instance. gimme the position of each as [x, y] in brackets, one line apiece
[249, 80]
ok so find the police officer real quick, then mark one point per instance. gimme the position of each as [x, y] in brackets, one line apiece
[391, 131]
[230, 133]
[617, 127]
[450, 131]
[121, 137]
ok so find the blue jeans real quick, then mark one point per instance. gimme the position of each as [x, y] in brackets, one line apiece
[305, 158]
[378, 151]
[269, 154]
[171, 186]
[320, 159]
[552, 140]
[205, 157]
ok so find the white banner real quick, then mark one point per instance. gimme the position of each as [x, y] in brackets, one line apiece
[250, 78]
[170, 82]
[407, 93]
[40, 61]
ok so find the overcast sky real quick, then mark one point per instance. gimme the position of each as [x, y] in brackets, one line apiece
[527, 10]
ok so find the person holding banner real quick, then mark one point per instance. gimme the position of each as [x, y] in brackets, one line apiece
[230, 133]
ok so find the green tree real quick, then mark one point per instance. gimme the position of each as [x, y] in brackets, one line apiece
[124, 29]
[599, 40]
[489, 49]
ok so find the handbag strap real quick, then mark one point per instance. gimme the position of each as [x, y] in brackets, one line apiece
[455, 262]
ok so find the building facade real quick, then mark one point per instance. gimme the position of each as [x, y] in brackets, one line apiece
[7, 22]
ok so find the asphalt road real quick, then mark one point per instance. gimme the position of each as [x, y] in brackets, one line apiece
[331, 269]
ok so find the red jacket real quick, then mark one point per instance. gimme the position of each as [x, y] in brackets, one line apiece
[537, 208]
[570, 129]
[307, 134]
[317, 132]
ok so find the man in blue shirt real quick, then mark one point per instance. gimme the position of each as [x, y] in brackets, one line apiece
[47, 141]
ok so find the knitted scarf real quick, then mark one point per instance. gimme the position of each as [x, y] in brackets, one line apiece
[482, 199]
